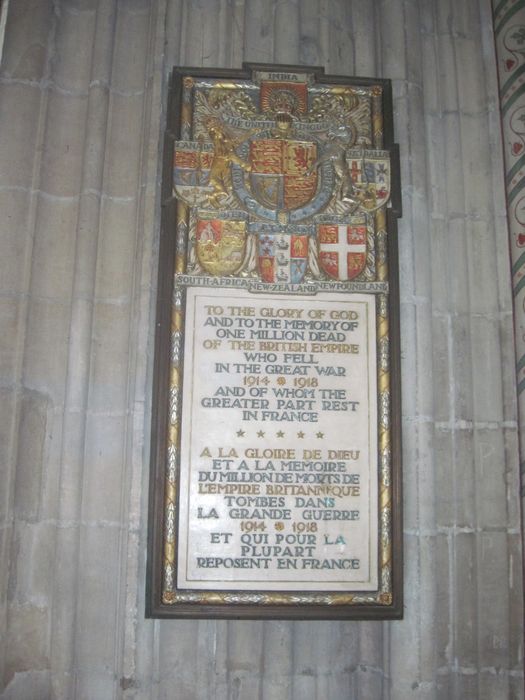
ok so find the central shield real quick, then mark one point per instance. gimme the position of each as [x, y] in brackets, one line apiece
[282, 172]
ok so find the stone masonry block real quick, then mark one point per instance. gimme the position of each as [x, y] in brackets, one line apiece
[79, 6]
[366, 682]
[91, 684]
[491, 471]
[46, 348]
[441, 368]
[97, 596]
[19, 109]
[116, 250]
[455, 485]
[423, 355]
[27, 650]
[8, 415]
[426, 464]
[310, 50]
[365, 57]
[429, 61]
[408, 346]
[477, 166]
[409, 632]
[392, 18]
[33, 549]
[439, 252]
[503, 263]
[95, 136]
[258, 33]
[278, 646]
[496, 686]
[110, 359]
[464, 18]
[463, 380]
[411, 454]
[427, 18]
[207, 645]
[49, 506]
[406, 262]
[15, 240]
[466, 620]
[466, 683]
[26, 39]
[287, 34]
[510, 441]
[11, 317]
[439, 633]
[436, 176]
[412, 28]
[129, 58]
[125, 123]
[486, 372]
[494, 599]
[471, 80]
[103, 44]
[483, 281]
[32, 436]
[418, 146]
[54, 248]
[6, 534]
[514, 548]
[62, 157]
[446, 74]
[187, 632]
[201, 40]
[74, 46]
[454, 176]
[104, 470]
[458, 252]
[363, 644]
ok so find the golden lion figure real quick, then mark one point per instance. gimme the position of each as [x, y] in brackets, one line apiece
[223, 156]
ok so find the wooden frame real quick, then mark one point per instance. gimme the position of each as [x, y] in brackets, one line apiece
[291, 174]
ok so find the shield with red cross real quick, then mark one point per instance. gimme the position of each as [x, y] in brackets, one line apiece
[342, 250]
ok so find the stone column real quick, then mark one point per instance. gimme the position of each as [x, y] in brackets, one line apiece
[509, 32]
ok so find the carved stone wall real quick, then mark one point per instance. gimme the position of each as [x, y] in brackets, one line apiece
[82, 93]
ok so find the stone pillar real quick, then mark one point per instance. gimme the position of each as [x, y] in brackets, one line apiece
[509, 32]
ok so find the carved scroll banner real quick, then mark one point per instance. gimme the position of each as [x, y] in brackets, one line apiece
[275, 488]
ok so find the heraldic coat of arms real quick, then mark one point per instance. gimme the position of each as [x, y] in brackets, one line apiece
[283, 178]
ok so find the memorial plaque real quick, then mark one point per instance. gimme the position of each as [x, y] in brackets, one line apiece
[275, 488]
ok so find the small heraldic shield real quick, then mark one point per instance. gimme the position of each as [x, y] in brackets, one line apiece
[342, 250]
[282, 258]
[221, 245]
[370, 173]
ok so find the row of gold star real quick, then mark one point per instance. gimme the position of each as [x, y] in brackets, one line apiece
[279, 434]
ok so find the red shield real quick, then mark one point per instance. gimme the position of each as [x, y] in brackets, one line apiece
[342, 250]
